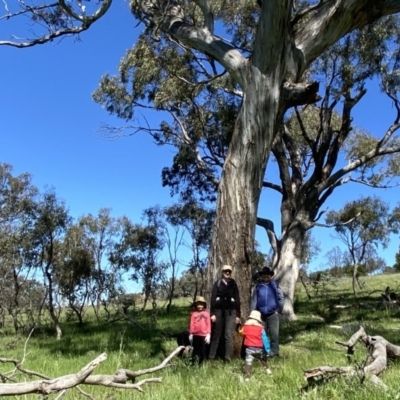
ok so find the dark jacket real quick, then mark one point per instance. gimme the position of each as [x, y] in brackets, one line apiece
[225, 296]
[267, 298]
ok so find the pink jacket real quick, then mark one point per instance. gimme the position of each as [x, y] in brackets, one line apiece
[200, 323]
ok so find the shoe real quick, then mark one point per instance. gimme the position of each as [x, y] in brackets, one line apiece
[268, 371]
[246, 379]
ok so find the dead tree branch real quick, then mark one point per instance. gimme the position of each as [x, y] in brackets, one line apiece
[379, 351]
[61, 384]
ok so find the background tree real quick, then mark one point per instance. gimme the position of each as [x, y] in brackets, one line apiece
[17, 201]
[197, 222]
[138, 252]
[173, 238]
[99, 234]
[51, 223]
[362, 225]
[74, 274]
[396, 265]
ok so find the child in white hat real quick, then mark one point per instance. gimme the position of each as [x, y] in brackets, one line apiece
[256, 342]
[199, 330]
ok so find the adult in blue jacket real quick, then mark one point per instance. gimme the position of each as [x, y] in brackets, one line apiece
[268, 299]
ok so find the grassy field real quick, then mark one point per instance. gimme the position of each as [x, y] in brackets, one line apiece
[311, 344]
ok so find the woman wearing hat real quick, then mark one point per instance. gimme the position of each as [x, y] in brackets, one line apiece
[199, 330]
[256, 342]
[268, 299]
[225, 312]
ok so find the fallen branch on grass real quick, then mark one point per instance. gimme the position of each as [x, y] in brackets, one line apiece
[379, 350]
[49, 385]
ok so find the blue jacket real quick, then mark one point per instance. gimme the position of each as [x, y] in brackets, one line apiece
[267, 298]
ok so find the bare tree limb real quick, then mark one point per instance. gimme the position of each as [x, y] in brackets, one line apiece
[338, 224]
[48, 386]
[84, 20]
[268, 225]
[63, 383]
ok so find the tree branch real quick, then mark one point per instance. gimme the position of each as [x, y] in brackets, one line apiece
[86, 22]
[298, 94]
[118, 380]
[204, 5]
[273, 186]
[338, 224]
[170, 19]
[302, 13]
[333, 20]
[52, 385]
[268, 225]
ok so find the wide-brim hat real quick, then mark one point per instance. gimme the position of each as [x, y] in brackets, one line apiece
[200, 299]
[226, 268]
[256, 315]
[267, 271]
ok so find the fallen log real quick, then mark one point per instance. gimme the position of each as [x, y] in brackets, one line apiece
[48, 385]
[379, 350]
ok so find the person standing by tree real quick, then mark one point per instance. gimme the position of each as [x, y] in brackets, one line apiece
[225, 312]
[256, 342]
[199, 330]
[268, 299]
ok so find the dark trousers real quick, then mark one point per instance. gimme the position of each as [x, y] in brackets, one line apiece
[199, 349]
[271, 322]
[225, 322]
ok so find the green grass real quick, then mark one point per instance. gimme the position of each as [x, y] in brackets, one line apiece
[312, 345]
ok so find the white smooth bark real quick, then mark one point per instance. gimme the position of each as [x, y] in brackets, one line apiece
[334, 20]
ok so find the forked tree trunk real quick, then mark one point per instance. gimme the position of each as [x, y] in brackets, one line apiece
[257, 124]
[287, 254]
[287, 270]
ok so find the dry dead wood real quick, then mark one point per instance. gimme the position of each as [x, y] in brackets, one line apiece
[379, 350]
[61, 384]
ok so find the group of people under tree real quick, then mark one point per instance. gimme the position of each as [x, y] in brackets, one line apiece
[217, 326]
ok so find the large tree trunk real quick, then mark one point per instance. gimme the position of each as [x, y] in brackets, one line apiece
[241, 182]
[259, 119]
[288, 267]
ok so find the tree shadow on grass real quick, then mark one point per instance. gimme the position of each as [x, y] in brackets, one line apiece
[132, 337]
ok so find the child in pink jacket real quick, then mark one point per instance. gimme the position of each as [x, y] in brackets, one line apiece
[199, 330]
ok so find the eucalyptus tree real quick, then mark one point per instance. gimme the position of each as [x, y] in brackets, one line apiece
[17, 194]
[16, 269]
[17, 200]
[225, 121]
[362, 225]
[197, 221]
[99, 234]
[76, 266]
[262, 62]
[138, 252]
[51, 223]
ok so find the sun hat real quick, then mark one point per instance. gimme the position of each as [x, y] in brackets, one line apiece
[226, 268]
[200, 299]
[256, 315]
[267, 271]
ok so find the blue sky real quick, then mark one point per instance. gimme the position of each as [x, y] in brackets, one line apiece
[49, 123]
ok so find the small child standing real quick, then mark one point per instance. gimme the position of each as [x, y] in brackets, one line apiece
[199, 330]
[256, 342]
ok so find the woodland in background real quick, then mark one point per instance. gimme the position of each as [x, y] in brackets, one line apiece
[52, 265]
